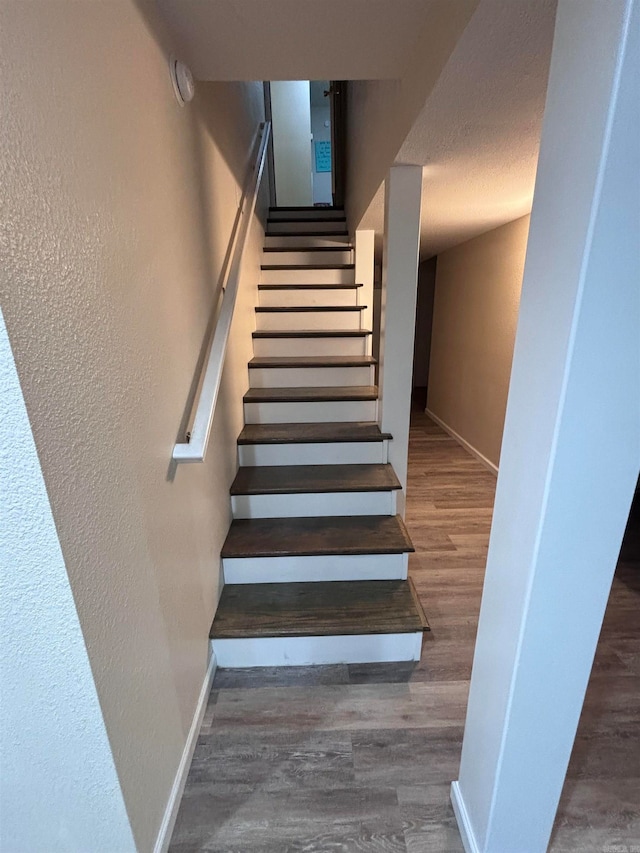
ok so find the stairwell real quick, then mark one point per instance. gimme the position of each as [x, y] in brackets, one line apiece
[315, 561]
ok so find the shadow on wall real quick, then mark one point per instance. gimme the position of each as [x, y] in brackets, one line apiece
[216, 119]
[218, 110]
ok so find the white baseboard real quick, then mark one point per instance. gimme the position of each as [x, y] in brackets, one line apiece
[464, 824]
[173, 803]
[469, 447]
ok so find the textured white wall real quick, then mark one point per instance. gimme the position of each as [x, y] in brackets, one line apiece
[59, 789]
[117, 207]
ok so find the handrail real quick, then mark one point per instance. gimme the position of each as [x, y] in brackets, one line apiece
[195, 448]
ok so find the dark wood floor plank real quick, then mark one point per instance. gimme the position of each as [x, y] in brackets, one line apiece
[315, 609]
[316, 820]
[283, 537]
[277, 676]
[318, 433]
[319, 479]
[410, 756]
[311, 394]
[275, 761]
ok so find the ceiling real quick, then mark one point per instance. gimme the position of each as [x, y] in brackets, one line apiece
[478, 133]
[297, 39]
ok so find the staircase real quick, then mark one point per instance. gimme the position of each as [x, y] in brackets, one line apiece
[315, 562]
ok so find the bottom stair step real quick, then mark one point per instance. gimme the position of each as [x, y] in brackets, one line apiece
[301, 624]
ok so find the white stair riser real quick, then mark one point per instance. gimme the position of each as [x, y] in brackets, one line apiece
[310, 413]
[337, 453]
[315, 213]
[301, 320]
[303, 241]
[310, 504]
[335, 256]
[310, 651]
[307, 296]
[309, 346]
[340, 567]
[311, 377]
[307, 276]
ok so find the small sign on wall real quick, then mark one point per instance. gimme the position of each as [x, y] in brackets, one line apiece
[323, 156]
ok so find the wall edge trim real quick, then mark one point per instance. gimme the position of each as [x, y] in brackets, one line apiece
[173, 803]
[462, 818]
[467, 446]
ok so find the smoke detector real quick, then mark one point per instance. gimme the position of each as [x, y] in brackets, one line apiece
[182, 79]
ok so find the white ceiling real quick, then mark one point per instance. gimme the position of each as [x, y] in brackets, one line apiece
[478, 133]
[297, 39]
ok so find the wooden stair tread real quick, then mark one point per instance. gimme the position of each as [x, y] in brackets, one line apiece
[317, 433]
[330, 208]
[336, 608]
[307, 266]
[311, 394]
[345, 247]
[307, 309]
[329, 535]
[312, 361]
[333, 233]
[307, 287]
[311, 333]
[316, 479]
[272, 219]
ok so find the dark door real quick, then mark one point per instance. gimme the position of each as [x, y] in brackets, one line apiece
[337, 97]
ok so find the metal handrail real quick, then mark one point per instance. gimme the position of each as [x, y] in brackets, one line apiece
[194, 449]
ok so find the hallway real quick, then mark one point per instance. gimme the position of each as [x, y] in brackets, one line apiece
[360, 758]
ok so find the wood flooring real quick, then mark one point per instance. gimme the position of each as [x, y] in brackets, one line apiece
[359, 758]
